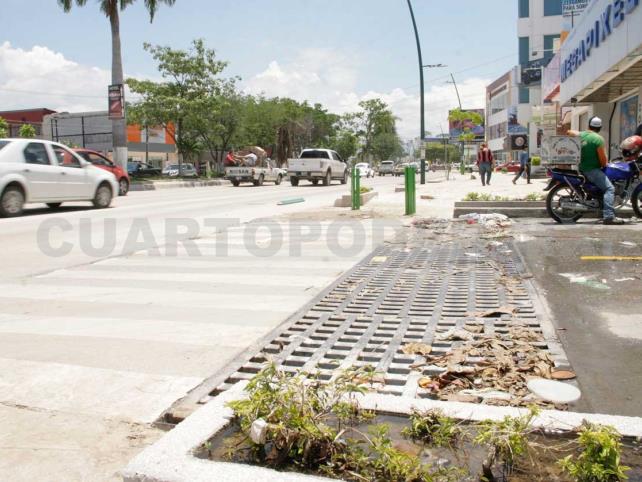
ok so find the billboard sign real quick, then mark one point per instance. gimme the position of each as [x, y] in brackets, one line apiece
[573, 8]
[532, 71]
[561, 150]
[116, 96]
[457, 128]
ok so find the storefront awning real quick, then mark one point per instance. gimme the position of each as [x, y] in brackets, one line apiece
[607, 91]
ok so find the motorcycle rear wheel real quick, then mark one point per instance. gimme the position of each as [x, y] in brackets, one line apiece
[554, 208]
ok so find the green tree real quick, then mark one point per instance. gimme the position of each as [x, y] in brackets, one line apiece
[4, 128]
[27, 131]
[438, 151]
[346, 144]
[111, 9]
[191, 93]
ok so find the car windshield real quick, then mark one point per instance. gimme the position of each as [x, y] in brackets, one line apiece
[172, 166]
[314, 154]
[361, 164]
[3, 143]
[387, 163]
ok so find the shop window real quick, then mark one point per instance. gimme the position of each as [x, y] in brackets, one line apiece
[551, 44]
[552, 7]
[524, 54]
[524, 95]
[524, 8]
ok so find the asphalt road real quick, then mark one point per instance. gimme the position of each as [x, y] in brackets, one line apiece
[595, 305]
[96, 343]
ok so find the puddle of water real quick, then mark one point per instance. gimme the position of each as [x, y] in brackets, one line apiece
[539, 465]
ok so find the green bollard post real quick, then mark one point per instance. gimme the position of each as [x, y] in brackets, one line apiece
[356, 189]
[410, 191]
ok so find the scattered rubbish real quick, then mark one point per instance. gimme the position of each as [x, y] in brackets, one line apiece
[416, 349]
[474, 255]
[488, 221]
[496, 312]
[611, 258]
[290, 201]
[258, 431]
[628, 244]
[455, 335]
[379, 259]
[586, 280]
[474, 328]
[496, 244]
[425, 382]
[563, 375]
[554, 391]
[488, 394]
[427, 197]
[622, 280]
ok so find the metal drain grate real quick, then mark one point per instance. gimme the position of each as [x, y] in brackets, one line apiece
[402, 294]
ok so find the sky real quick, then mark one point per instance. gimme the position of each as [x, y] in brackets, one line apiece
[336, 52]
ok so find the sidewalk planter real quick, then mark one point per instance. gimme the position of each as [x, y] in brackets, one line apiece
[512, 209]
[345, 201]
[155, 185]
[173, 459]
[517, 209]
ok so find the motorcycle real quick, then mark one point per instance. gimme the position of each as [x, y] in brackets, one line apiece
[571, 195]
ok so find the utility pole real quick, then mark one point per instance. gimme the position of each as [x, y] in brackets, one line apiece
[422, 131]
[456, 90]
[462, 147]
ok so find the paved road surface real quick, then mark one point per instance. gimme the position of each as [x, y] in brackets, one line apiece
[94, 348]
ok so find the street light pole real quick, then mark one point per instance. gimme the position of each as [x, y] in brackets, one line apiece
[456, 90]
[422, 133]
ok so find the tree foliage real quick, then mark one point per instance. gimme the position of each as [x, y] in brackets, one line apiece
[4, 128]
[27, 131]
[459, 115]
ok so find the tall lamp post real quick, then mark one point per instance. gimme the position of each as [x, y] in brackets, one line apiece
[422, 134]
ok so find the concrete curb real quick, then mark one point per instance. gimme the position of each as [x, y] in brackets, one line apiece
[518, 209]
[346, 201]
[172, 458]
[156, 185]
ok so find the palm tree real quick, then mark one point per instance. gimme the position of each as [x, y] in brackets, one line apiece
[111, 9]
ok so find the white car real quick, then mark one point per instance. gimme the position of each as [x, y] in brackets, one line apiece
[186, 170]
[37, 171]
[317, 165]
[364, 169]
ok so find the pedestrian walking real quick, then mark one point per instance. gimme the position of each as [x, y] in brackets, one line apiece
[485, 163]
[524, 167]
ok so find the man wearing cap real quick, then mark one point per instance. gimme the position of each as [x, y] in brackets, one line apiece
[592, 159]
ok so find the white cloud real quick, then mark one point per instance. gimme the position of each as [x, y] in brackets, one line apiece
[40, 77]
[330, 77]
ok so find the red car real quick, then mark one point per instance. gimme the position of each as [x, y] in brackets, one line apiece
[509, 166]
[98, 160]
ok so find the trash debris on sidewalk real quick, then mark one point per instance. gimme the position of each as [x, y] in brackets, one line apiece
[586, 280]
[554, 391]
[493, 369]
[489, 221]
[290, 201]
[416, 349]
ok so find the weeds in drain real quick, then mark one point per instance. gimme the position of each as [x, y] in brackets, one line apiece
[297, 421]
[507, 440]
[433, 428]
[600, 459]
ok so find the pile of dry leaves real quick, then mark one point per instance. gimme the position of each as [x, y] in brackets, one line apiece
[493, 369]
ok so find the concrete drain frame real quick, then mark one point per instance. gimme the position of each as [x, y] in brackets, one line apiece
[401, 293]
[367, 324]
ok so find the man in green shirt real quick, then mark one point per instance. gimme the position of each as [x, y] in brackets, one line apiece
[592, 159]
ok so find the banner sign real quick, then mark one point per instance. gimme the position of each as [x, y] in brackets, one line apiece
[116, 96]
[561, 150]
[572, 8]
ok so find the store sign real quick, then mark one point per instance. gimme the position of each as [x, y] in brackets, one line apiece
[116, 96]
[609, 19]
[572, 8]
[561, 150]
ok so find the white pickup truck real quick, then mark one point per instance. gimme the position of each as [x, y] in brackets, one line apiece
[317, 165]
[256, 175]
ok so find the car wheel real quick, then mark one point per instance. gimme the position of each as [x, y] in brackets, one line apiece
[279, 178]
[344, 179]
[236, 183]
[12, 202]
[636, 202]
[259, 181]
[327, 179]
[314, 182]
[103, 196]
[123, 187]
[294, 181]
[54, 205]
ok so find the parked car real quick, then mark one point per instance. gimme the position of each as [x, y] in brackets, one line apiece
[33, 170]
[257, 175]
[400, 169]
[98, 160]
[364, 169]
[317, 165]
[140, 169]
[386, 167]
[186, 170]
[509, 166]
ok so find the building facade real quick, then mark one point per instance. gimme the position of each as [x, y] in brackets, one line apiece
[34, 117]
[93, 130]
[601, 69]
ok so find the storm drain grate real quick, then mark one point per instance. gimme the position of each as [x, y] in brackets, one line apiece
[399, 295]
